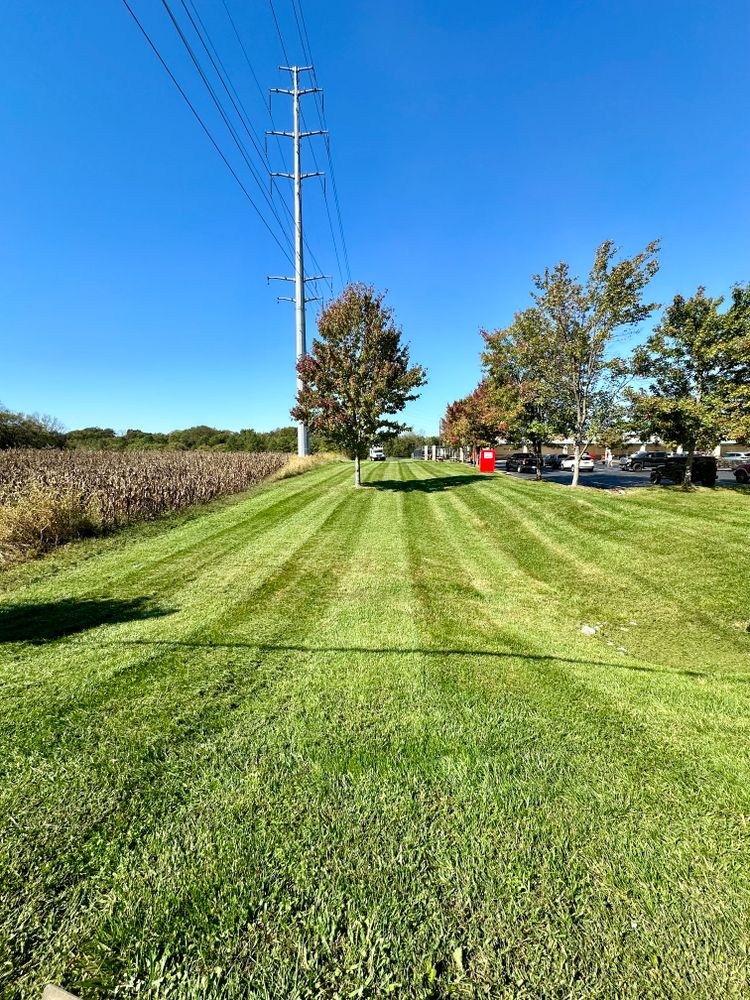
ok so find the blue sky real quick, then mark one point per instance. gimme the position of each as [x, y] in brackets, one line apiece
[472, 146]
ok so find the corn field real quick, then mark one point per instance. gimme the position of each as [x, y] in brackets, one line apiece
[116, 488]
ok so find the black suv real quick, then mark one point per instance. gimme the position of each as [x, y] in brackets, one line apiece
[643, 460]
[521, 461]
[673, 468]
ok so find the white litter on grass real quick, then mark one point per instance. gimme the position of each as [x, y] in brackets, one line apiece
[621, 649]
[589, 630]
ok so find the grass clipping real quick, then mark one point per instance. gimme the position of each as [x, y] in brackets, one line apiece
[40, 518]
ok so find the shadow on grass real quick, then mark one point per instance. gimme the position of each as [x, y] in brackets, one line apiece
[262, 647]
[436, 485]
[44, 622]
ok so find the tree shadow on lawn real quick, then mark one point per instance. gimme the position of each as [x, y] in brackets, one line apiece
[435, 485]
[44, 622]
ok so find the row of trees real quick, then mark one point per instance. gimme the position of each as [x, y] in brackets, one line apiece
[21, 430]
[555, 372]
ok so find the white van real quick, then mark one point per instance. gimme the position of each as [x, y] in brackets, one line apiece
[377, 454]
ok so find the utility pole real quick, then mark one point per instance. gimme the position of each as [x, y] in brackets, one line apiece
[299, 279]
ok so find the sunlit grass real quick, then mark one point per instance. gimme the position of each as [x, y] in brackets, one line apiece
[326, 742]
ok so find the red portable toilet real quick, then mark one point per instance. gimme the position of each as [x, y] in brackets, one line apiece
[486, 460]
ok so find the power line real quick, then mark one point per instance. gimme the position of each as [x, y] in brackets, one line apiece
[250, 66]
[307, 52]
[244, 51]
[278, 32]
[241, 111]
[232, 131]
[308, 56]
[205, 128]
[305, 43]
[223, 75]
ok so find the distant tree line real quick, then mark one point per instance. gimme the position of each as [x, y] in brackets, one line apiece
[22, 430]
[554, 372]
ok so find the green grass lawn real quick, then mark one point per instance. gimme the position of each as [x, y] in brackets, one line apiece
[321, 742]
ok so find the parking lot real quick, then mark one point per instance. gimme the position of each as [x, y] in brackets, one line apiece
[603, 477]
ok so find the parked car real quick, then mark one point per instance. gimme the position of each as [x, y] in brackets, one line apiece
[377, 454]
[643, 460]
[743, 456]
[742, 474]
[673, 468]
[553, 461]
[521, 461]
[586, 463]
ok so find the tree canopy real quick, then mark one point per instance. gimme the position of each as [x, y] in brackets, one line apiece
[524, 403]
[470, 422]
[358, 375]
[697, 363]
[579, 321]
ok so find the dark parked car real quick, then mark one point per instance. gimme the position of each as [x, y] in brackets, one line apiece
[643, 460]
[742, 474]
[553, 461]
[673, 468]
[521, 461]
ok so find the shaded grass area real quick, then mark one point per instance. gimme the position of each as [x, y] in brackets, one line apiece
[330, 743]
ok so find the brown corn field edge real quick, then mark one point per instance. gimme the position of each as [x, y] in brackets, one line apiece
[119, 488]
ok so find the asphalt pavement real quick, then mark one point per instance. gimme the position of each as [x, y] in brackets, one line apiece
[605, 478]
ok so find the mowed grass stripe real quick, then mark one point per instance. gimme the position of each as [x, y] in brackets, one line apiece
[179, 547]
[657, 573]
[587, 720]
[194, 704]
[382, 760]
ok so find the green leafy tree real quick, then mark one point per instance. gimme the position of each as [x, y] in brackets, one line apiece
[280, 439]
[357, 375]
[22, 430]
[526, 406]
[94, 439]
[579, 323]
[735, 358]
[697, 362]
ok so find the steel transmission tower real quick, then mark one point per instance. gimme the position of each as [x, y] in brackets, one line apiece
[299, 279]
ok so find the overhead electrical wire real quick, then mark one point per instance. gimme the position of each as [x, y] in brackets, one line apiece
[207, 131]
[308, 56]
[223, 74]
[278, 32]
[240, 111]
[250, 67]
[307, 52]
[232, 131]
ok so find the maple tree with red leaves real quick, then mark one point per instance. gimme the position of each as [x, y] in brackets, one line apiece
[357, 376]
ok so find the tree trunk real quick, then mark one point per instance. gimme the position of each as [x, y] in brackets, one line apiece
[687, 479]
[357, 472]
[576, 464]
[538, 456]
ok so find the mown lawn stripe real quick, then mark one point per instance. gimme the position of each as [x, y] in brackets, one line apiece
[372, 754]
